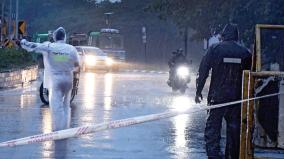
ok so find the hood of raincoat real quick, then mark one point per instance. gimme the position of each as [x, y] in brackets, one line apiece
[230, 33]
[59, 34]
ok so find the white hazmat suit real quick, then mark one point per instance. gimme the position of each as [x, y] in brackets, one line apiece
[60, 60]
[214, 40]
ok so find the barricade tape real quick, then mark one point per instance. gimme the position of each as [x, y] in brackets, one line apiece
[145, 71]
[74, 132]
[150, 72]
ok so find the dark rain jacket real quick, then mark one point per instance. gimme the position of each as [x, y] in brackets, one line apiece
[227, 60]
[178, 59]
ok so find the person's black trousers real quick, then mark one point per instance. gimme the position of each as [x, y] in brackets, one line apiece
[232, 115]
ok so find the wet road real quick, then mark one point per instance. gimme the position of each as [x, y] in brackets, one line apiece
[105, 97]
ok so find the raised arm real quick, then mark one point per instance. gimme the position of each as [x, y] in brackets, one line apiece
[35, 47]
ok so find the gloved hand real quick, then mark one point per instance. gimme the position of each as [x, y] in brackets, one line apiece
[198, 97]
[23, 41]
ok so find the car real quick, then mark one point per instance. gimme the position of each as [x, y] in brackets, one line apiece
[93, 58]
[111, 41]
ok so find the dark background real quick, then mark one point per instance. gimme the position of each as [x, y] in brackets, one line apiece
[166, 21]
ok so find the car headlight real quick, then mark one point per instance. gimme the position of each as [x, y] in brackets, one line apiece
[109, 61]
[183, 71]
[90, 60]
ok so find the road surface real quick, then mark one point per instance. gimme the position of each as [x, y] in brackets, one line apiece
[105, 97]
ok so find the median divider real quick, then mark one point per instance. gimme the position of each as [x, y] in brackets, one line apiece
[18, 77]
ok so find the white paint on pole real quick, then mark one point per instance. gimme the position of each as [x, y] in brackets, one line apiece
[74, 132]
[17, 19]
[144, 35]
[10, 21]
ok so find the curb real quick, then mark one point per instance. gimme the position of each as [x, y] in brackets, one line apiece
[18, 77]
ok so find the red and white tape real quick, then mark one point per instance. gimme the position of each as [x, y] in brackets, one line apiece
[145, 71]
[74, 132]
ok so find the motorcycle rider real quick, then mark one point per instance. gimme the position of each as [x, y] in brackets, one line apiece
[178, 58]
[227, 60]
[60, 60]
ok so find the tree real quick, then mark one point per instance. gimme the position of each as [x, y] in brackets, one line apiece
[205, 14]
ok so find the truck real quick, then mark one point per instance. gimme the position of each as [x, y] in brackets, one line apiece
[78, 39]
[111, 42]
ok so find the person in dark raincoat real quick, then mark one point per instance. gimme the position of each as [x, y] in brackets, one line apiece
[227, 60]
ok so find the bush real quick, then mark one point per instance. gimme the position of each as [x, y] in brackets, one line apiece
[11, 59]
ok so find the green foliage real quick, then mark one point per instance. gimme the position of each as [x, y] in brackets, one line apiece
[15, 59]
[73, 15]
[82, 15]
[205, 14]
[85, 16]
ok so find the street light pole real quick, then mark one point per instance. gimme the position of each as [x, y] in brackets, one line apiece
[185, 40]
[10, 20]
[144, 40]
[17, 19]
[2, 19]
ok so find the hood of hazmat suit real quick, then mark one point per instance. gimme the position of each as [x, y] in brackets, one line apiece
[59, 35]
[214, 40]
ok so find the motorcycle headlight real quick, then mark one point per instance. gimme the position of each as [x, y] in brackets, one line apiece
[90, 60]
[183, 71]
[109, 61]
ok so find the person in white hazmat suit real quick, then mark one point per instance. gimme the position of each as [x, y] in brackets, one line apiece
[214, 39]
[60, 60]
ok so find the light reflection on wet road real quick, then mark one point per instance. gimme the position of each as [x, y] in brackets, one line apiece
[104, 97]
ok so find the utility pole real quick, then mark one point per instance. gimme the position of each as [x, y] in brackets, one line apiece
[17, 20]
[185, 40]
[10, 21]
[2, 19]
[144, 40]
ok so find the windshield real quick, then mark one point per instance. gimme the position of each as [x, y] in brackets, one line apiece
[94, 51]
[41, 38]
[77, 42]
[111, 42]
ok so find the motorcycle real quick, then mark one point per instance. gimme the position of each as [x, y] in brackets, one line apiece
[43, 92]
[179, 78]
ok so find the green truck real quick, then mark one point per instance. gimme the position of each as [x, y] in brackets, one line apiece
[40, 37]
[110, 41]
